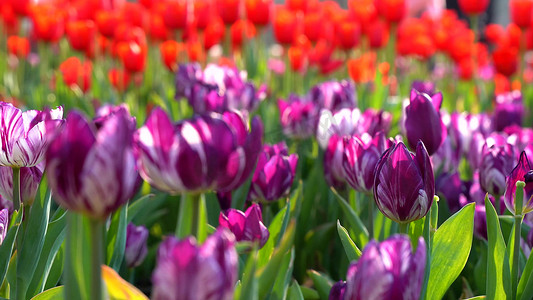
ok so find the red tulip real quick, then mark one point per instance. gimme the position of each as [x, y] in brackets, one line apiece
[48, 27]
[363, 11]
[107, 21]
[285, 26]
[297, 5]
[120, 79]
[505, 60]
[76, 73]
[158, 30]
[133, 56]
[20, 7]
[258, 11]
[10, 21]
[81, 35]
[176, 14]
[242, 29]
[521, 11]
[347, 33]
[473, 7]
[297, 58]
[229, 10]
[214, 33]
[18, 46]
[170, 50]
[392, 10]
[203, 13]
[134, 14]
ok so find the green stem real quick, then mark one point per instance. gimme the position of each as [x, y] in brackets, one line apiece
[516, 254]
[195, 215]
[370, 226]
[97, 258]
[404, 228]
[16, 188]
[188, 216]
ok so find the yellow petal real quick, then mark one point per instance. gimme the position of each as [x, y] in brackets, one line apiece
[118, 288]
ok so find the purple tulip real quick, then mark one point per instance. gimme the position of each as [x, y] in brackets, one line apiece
[334, 95]
[374, 121]
[30, 178]
[245, 226]
[464, 126]
[450, 186]
[508, 110]
[496, 164]
[26, 135]
[298, 116]
[520, 138]
[273, 175]
[387, 270]
[426, 87]
[92, 171]
[404, 185]
[480, 222]
[521, 172]
[4, 224]
[136, 247]
[210, 152]
[189, 84]
[446, 159]
[478, 141]
[186, 271]
[337, 291]
[423, 121]
[333, 155]
[361, 155]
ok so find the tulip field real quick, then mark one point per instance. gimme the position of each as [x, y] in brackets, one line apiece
[250, 149]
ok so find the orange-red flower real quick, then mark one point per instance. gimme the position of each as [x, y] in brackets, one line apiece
[195, 51]
[170, 52]
[392, 10]
[364, 11]
[18, 46]
[473, 7]
[363, 68]
[494, 33]
[285, 26]
[259, 11]
[48, 26]
[214, 33]
[134, 13]
[21, 7]
[176, 14]
[348, 33]
[378, 34]
[242, 29]
[120, 79]
[229, 10]
[133, 56]
[203, 13]
[505, 60]
[76, 73]
[107, 21]
[158, 30]
[9, 19]
[81, 35]
[521, 11]
[297, 5]
[297, 58]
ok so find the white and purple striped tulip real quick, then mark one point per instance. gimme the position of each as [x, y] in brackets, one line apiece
[508, 110]
[136, 247]
[497, 162]
[333, 159]
[4, 224]
[186, 271]
[274, 175]
[423, 121]
[404, 185]
[361, 155]
[93, 171]
[30, 178]
[387, 270]
[298, 116]
[209, 152]
[246, 226]
[25, 135]
[334, 95]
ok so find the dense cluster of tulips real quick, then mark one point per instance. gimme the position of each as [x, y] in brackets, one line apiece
[242, 149]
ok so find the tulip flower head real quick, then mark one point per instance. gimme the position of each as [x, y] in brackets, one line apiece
[496, 164]
[246, 226]
[93, 171]
[387, 270]
[274, 173]
[25, 135]
[186, 271]
[298, 116]
[522, 172]
[404, 185]
[30, 178]
[334, 95]
[423, 121]
[4, 223]
[136, 248]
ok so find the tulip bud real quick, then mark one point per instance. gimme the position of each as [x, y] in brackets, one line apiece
[426, 87]
[273, 175]
[423, 121]
[4, 223]
[26, 135]
[136, 248]
[337, 291]
[404, 185]
[521, 172]
[334, 95]
[245, 226]
[90, 171]
[496, 163]
[360, 158]
[186, 271]
[387, 270]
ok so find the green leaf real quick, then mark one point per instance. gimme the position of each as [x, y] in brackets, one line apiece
[267, 274]
[295, 293]
[283, 279]
[6, 249]
[321, 282]
[352, 252]
[275, 231]
[249, 280]
[51, 294]
[116, 238]
[55, 236]
[498, 275]
[450, 250]
[143, 206]
[309, 293]
[353, 220]
[32, 242]
[416, 230]
[524, 279]
[477, 298]
[77, 273]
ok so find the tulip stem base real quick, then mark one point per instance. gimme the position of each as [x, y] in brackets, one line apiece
[516, 253]
[16, 189]
[404, 228]
[97, 258]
